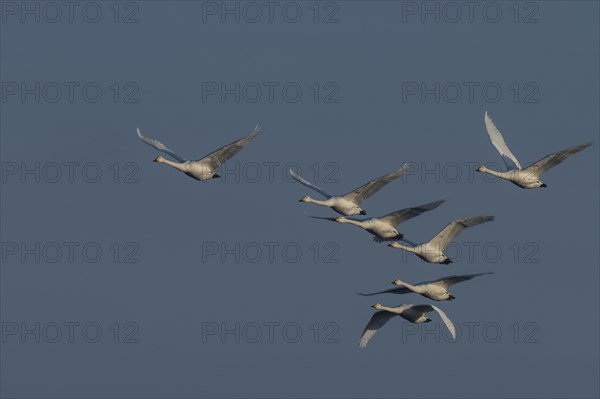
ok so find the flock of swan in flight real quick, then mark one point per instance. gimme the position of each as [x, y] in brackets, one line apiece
[384, 228]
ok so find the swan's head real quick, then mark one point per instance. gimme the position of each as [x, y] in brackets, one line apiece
[427, 320]
[542, 184]
[394, 245]
[339, 219]
[306, 198]
[361, 211]
[377, 306]
[397, 282]
[158, 159]
[481, 169]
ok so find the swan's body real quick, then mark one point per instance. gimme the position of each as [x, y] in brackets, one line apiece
[530, 176]
[202, 169]
[412, 313]
[436, 290]
[384, 228]
[349, 204]
[433, 250]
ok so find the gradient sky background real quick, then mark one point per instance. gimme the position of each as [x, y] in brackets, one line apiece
[370, 131]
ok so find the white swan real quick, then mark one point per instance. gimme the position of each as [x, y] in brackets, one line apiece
[349, 204]
[412, 313]
[530, 176]
[433, 250]
[202, 169]
[384, 228]
[436, 289]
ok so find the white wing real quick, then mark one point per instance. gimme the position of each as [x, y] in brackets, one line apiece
[498, 141]
[554, 159]
[449, 324]
[395, 218]
[377, 321]
[308, 184]
[218, 157]
[159, 146]
[444, 237]
[446, 282]
[370, 188]
[445, 319]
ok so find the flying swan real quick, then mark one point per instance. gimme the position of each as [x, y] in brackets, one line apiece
[530, 176]
[412, 313]
[436, 290]
[202, 169]
[384, 227]
[433, 250]
[349, 204]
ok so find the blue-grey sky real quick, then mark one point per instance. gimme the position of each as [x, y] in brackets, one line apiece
[363, 110]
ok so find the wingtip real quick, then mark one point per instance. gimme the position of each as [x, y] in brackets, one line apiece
[257, 130]
[453, 332]
[406, 166]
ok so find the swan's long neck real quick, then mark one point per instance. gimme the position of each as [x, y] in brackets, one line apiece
[176, 165]
[501, 175]
[414, 288]
[354, 222]
[316, 201]
[404, 247]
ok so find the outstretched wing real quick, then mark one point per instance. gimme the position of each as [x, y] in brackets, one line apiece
[370, 188]
[449, 233]
[377, 321]
[397, 290]
[395, 218]
[218, 157]
[446, 282]
[159, 146]
[308, 184]
[320, 217]
[498, 141]
[554, 159]
[428, 308]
